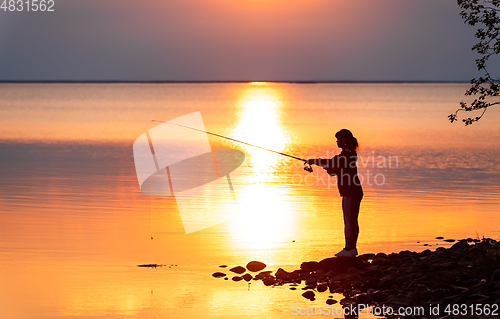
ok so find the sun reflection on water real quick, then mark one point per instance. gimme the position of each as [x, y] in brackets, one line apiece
[266, 214]
[260, 125]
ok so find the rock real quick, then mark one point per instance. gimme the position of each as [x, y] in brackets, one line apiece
[357, 284]
[496, 274]
[422, 295]
[347, 302]
[223, 266]
[255, 266]
[332, 286]
[219, 274]
[339, 290]
[295, 274]
[372, 271]
[340, 265]
[281, 274]
[449, 240]
[379, 296]
[331, 301]
[361, 298]
[263, 275]
[268, 281]
[370, 283]
[439, 294]
[455, 275]
[352, 270]
[439, 237]
[238, 269]
[309, 266]
[366, 257]
[308, 294]
[237, 278]
[312, 280]
[247, 277]
[322, 288]
[385, 283]
[346, 285]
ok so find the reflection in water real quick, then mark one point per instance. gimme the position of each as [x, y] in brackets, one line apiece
[75, 224]
[265, 215]
[260, 125]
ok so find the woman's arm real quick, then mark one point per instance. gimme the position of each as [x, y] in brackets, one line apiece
[333, 165]
[323, 162]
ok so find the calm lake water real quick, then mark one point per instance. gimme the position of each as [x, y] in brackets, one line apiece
[75, 225]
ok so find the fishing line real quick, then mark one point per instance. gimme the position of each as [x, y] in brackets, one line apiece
[307, 168]
[151, 219]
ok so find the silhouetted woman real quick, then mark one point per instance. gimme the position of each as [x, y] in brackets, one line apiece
[344, 167]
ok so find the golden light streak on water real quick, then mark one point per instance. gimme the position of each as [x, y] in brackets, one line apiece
[259, 124]
[266, 217]
[266, 212]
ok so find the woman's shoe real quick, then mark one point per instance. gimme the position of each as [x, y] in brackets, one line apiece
[347, 253]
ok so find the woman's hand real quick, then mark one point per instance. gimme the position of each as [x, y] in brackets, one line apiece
[311, 161]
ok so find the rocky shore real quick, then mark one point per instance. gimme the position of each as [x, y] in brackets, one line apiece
[452, 282]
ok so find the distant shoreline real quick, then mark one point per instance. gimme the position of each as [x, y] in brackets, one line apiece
[210, 82]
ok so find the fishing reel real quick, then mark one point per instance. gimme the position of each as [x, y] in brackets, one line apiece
[308, 167]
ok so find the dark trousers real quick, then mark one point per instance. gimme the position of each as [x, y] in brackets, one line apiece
[350, 207]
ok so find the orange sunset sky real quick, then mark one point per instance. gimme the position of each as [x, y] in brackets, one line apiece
[239, 40]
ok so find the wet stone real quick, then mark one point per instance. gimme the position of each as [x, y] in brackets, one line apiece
[247, 277]
[308, 294]
[269, 281]
[322, 288]
[309, 266]
[331, 301]
[263, 275]
[238, 269]
[255, 266]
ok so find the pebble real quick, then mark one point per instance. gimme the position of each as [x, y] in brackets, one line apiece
[255, 266]
[331, 301]
[465, 273]
[238, 269]
[247, 277]
[308, 294]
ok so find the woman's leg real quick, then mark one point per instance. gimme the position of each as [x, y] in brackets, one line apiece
[350, 207]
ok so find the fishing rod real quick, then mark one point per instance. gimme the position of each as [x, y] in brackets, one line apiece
[307, 166]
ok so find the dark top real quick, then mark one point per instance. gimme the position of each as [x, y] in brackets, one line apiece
[344, 166]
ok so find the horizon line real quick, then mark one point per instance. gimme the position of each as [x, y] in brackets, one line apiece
[222, 81]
